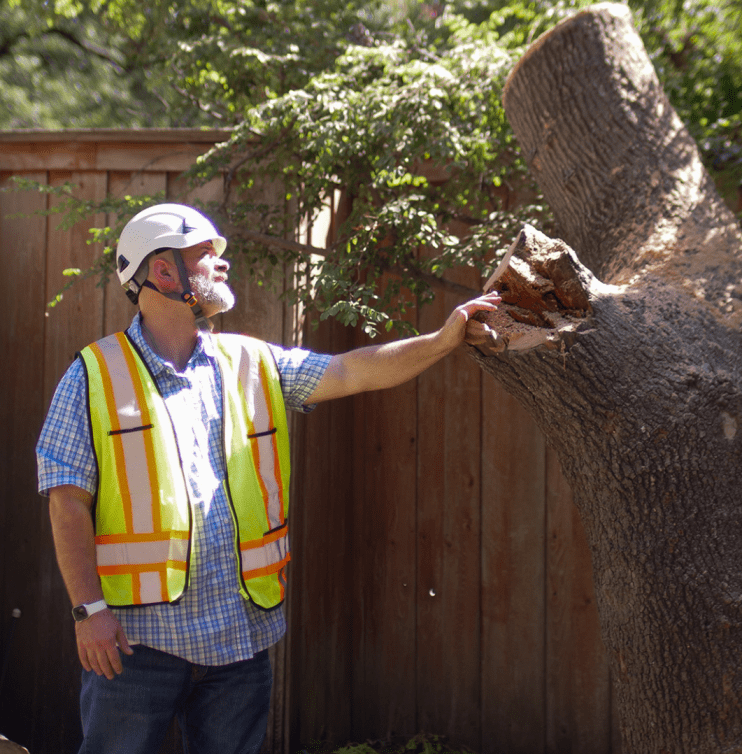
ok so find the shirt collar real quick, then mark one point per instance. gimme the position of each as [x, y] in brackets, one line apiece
[202, 353]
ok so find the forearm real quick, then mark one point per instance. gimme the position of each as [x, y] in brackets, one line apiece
[74, 542]
[390, 364]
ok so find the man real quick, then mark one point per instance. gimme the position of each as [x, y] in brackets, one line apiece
[165, 458]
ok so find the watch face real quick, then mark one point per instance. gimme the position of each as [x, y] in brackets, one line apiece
[80, 612]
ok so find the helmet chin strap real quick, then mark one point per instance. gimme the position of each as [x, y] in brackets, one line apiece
[187, 296]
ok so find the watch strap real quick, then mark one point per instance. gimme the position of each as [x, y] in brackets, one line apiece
[84, 611]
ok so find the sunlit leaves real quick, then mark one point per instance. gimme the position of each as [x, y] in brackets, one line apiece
[394, 105]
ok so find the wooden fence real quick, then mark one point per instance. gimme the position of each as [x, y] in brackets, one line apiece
[441, 581]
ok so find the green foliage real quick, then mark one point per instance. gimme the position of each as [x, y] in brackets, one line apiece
[380, 101]
[67, 69]
[121, 63]
[696, 48]
[384, 120]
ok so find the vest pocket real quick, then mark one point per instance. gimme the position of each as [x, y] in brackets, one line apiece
[113, 432]
[284, 525]
[263, 434]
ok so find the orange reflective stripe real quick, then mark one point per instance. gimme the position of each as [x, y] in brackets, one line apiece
[134, 442]
[266, 540]
[105, 539]
[254, 383]
[267, 570]
[263, 448]
[282, 583]
[268, 555]
[118, 449]
[255, 450]
[137, 568]
[245, 376]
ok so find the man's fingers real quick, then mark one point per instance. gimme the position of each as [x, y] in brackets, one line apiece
[82, 653]
[123, 642]
[114, 661]
[488, 302]
[97, 640]
[478, 333]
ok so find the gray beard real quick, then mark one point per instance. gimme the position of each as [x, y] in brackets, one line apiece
[218, 296]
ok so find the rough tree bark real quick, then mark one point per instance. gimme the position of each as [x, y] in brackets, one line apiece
[626, 349]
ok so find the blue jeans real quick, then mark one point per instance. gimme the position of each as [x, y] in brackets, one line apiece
[221, 710]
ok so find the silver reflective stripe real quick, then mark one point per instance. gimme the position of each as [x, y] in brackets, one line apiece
[150, 587]
[142, 553]
[132, 443]
[259, 558]
[263, 443]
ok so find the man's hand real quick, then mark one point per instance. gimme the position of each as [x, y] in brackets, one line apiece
[460, 327]
[99, 638]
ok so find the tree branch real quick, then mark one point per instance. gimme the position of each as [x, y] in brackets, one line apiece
[432, 280]
[88, 47]
[252, 156]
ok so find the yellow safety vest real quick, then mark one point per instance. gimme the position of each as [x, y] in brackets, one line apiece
[143, 518]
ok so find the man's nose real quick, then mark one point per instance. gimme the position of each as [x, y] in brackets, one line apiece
[221, 265]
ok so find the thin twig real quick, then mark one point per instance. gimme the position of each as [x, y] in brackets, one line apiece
[432, 280]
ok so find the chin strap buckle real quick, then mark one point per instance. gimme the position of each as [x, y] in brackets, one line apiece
[192, 301]
[201, 322]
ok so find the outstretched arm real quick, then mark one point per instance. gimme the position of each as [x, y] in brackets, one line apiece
[74, 542]
[391, 364]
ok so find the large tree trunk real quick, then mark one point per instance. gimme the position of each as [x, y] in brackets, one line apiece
[627, 352]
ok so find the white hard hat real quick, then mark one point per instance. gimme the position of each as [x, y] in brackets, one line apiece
[164, 226]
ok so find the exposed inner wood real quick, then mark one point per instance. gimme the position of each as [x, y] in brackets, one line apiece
[545, 295]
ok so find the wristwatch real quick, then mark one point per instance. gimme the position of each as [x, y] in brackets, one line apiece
[83, 612]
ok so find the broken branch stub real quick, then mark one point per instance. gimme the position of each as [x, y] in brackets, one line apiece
[545, 295]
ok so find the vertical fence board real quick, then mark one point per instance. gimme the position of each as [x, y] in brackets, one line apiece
[118, 311]
[23, 514]
[321, 582]
[449, 568]
[577, 678]
[71, 325]
[512, 577]
[393, 496]
[318, 672]
[76, 321]
[384, 537]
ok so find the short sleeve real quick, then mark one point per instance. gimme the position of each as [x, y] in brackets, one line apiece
[301, 371]
[64, 452]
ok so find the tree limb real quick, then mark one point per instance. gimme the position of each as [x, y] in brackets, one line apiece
[305, 249]
[88, 47]
[617, 166]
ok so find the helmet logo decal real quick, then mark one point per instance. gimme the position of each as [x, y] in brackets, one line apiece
[123, 263]
[186, 228]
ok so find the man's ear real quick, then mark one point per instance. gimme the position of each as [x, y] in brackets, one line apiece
[164, 275]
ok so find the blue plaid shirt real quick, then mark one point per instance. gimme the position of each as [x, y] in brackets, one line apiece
[212, 624]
